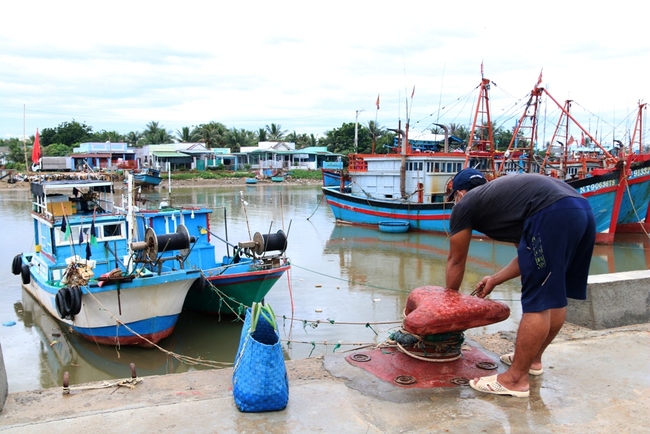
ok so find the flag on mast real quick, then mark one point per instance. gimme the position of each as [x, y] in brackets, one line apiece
[377, 103]
[36, 152]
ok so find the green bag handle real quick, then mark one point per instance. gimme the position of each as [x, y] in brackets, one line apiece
[266, 311]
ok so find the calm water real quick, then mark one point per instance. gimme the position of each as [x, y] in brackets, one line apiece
[347, 286]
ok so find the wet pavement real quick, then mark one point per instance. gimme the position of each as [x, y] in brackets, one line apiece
[594, 381]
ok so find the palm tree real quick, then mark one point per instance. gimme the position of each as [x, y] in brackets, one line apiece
[276, 134]
[156, 134]
[262, 135]
[133, 138]
[211, 134]
[376, 132]
[235, 139]
[185, 135]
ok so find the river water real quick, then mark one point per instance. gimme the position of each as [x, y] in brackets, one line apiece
[347, 286]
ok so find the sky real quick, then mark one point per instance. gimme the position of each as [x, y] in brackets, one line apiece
[312, 66]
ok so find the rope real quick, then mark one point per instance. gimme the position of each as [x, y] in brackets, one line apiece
[438, 350]
[636, 213]
[127, 382]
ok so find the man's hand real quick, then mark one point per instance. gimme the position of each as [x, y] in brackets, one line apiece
[484, 287]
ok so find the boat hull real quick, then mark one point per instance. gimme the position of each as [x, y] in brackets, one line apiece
[237, 281]
[348, 208]
[226, 292]
[601, 191]
[140, 312]
[146, 180]
[635, 198]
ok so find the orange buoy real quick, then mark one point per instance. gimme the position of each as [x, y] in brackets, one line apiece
[432, 310]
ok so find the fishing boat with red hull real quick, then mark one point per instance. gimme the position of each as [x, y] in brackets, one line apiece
[413, 186]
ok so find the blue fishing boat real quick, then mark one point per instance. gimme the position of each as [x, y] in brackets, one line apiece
[147, 177]
[331, 177]
[230, 283]
[251, 181]
[92, 273]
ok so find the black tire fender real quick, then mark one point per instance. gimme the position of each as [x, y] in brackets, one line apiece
[199, 285]
[60, 304]
[25, 274]
[72, 301]
[16, 265]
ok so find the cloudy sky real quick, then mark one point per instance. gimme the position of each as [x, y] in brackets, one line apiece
[310, 66]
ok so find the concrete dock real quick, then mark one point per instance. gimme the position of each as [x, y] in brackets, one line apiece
[595, 381]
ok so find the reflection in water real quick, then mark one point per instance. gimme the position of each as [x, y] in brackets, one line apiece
[60, 350]
[347, 284]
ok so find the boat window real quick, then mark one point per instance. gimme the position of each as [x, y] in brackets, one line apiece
[111, 231]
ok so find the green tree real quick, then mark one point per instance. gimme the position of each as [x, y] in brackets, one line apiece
[212, 134]
[276, 133]
[236, 139]
[106, 136]
[154, 134]
[16, 148]
[133, 138]
[57, 150]
[186, 135]
[68, 133]
[502, 139]
[262, 135]
[341, 140]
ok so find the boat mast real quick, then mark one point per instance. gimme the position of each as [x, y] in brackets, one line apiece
[481, 140]
[130, 218]
[524, 144]
[638, 128]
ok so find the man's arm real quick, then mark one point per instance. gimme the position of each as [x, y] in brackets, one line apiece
[458, 248]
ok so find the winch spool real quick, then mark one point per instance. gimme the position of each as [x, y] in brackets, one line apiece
[266, 243]
[154, 244]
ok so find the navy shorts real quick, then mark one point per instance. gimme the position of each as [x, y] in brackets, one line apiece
[555, 253]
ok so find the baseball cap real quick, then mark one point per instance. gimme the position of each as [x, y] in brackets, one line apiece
[467, 179]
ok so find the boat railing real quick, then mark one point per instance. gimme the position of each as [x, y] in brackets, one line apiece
[357, 164]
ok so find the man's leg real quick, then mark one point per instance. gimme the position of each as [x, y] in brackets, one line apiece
[557, 321]
[532, 336]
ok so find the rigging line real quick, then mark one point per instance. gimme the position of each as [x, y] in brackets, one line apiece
[319, 202]
[181, 358]
[332, 322]
[347, 280]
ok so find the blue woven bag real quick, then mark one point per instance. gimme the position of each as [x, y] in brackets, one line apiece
[260, 381]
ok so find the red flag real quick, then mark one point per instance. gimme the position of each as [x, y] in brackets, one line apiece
[36, 150]
[582, 141]
[377, 103]
[481, 69]
[539, 80]
[571, 141]
[413, 93]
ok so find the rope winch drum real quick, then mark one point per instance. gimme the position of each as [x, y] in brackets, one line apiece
[266, 243]
[154, 244]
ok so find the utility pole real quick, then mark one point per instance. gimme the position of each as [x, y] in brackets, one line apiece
[356, 130]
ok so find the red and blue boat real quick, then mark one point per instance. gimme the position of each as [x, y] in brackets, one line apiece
[91, 273]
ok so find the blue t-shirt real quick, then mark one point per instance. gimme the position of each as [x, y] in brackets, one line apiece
[499, 208]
